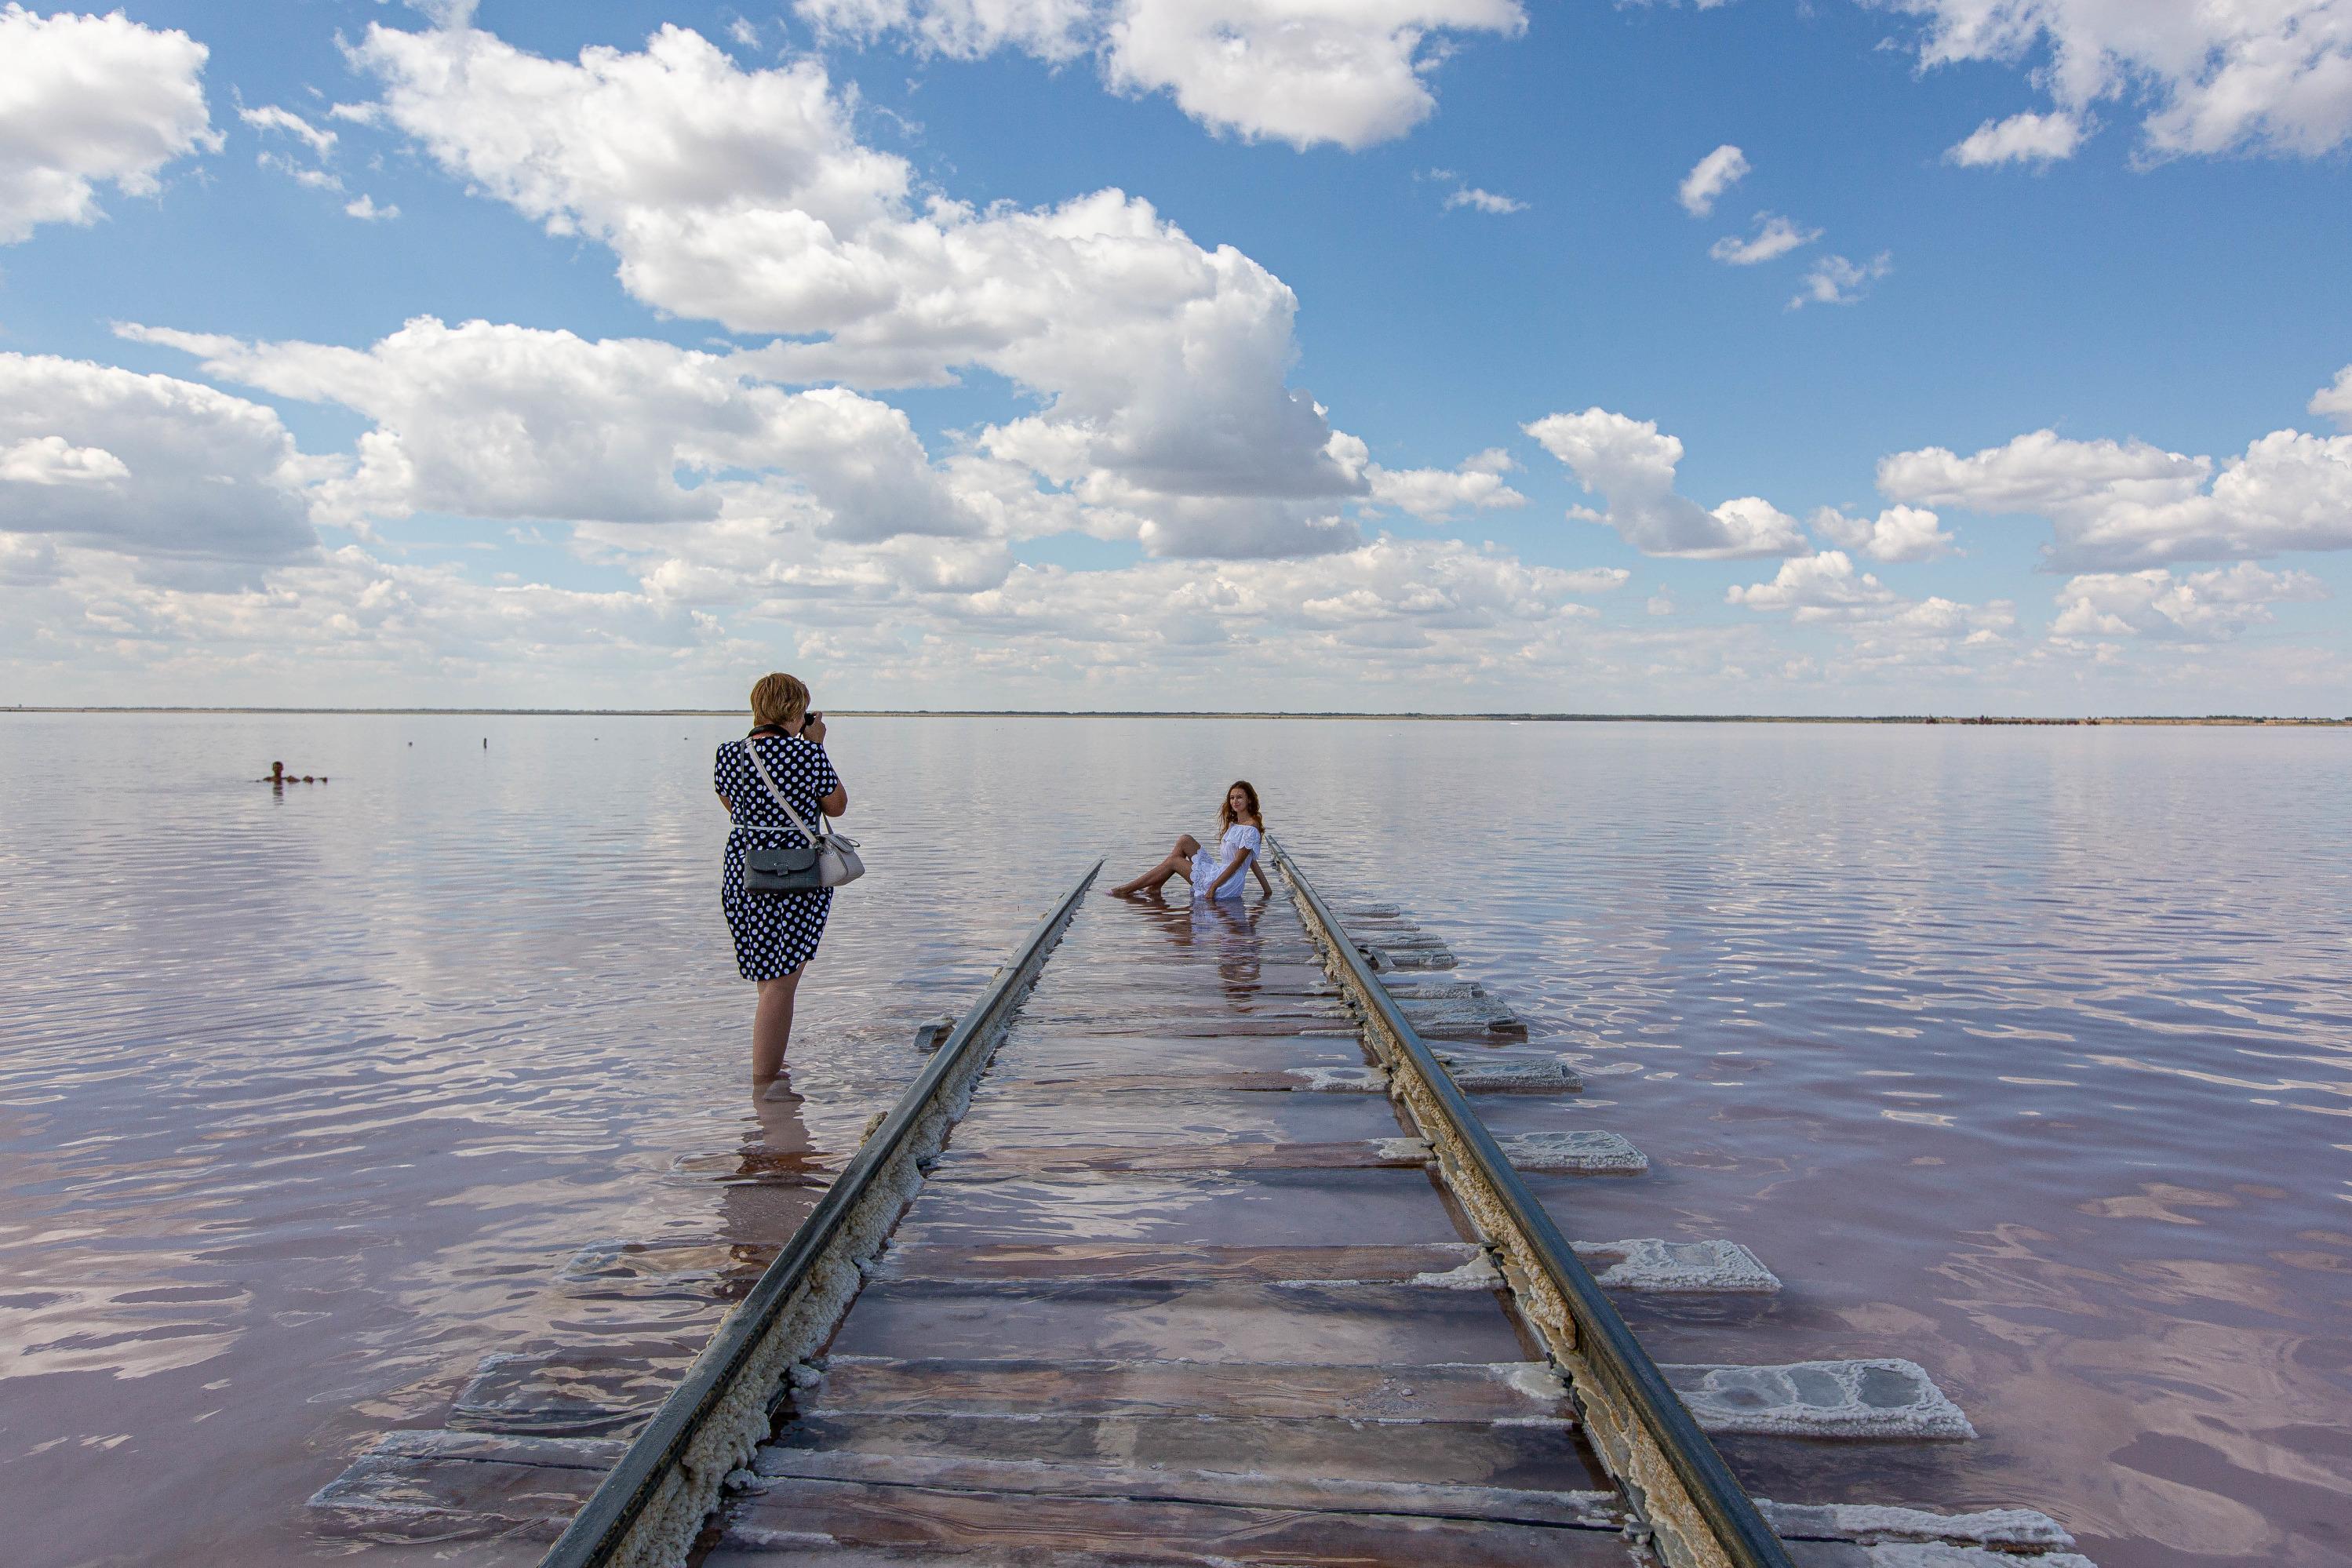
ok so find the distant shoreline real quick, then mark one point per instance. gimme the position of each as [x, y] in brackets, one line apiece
[2206, 720]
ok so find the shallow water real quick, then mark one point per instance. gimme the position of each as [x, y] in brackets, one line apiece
[2021, 1053]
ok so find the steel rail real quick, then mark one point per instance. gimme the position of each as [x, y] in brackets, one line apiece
[635, 1515]
[1693, 1486]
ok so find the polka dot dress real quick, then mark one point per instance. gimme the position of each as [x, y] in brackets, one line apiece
[775, 933]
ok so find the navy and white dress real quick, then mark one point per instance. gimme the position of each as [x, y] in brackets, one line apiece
[775, 933]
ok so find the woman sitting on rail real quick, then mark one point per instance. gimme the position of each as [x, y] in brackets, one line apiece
[1218, 876]
[775, 933]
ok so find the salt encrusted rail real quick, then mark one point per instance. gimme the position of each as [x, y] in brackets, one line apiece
[653, 1504]
[1673, 1477]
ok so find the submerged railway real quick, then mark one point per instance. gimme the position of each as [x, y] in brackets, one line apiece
[1193, 1244]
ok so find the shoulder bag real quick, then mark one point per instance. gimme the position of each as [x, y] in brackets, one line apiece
[828, 859]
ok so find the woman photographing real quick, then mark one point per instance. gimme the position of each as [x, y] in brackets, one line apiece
[776, 934]
[1220, 874]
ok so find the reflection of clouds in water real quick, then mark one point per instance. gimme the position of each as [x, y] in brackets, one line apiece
[2186, 1414]
[1091, 1207]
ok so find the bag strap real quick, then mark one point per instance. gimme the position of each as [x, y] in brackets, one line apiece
[751, 748]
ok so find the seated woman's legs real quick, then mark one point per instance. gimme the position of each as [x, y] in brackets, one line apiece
[1178, 863]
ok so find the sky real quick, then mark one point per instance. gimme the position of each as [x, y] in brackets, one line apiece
[1739, 356]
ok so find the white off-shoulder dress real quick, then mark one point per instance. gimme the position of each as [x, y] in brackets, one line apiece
[1206, 863]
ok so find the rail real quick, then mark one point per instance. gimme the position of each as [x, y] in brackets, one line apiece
[652, 1505]
[1700, 1516]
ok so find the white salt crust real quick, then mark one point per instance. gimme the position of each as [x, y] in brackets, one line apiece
[1649, 1263]
[1585, 1150]
[1341, 1080]
[1935, 1554]
[2015, 1529]
[1885, 1397]
[1478, 1274]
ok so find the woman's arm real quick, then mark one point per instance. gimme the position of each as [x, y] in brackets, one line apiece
[813, 731]
[1233, 869]
[1264, 886]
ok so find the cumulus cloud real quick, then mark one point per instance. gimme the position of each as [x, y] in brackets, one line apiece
[1775, 236]
[2126, 504]
[2335, 401]
[51, 460]
[1883, 627]
[1300, 71]
[2201, 607]
[2020, 139]
[1434, 495]
[1483, 201]
[1824, 587]
[1710, 178]
[518, 422]
[1896, 533]
[177, 474]
[1630, 463]
[743, 197]
[2272, 75]
[1834, 280]
[91, 100]
[270, 116]
[366, 211]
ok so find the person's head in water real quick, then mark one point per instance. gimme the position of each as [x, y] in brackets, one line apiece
[277, 772]
[1241, 806]
[778, 701]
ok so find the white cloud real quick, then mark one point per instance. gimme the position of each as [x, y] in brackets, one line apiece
[1710, 178]
[1896, 533]
[169, 471]
[51, 460]
[2335, 401]
[269, 117]
[1834, 280]
[366, 211]
[1630, 463]
[1300, 71]
[743, 197]
[2218, 76]
[1883, 629]
[1775, 236]
[1434, 495]
[2020, 139]
[1824, 587]
[1056, 30]
[1484, 201]
[2124, 504]
[2203, 607]
[505, 421]
[85, 100]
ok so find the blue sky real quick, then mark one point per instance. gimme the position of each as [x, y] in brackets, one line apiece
[1262, 353]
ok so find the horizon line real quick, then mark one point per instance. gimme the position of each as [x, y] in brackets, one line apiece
[2289, 720]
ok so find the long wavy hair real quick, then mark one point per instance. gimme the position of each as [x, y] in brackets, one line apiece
[1225, 807]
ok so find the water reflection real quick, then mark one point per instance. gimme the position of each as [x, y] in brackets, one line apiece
[308, 1102]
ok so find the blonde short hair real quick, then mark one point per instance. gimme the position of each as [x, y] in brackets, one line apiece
[778, 699]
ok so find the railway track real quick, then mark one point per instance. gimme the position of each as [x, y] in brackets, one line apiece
[1221, 1263]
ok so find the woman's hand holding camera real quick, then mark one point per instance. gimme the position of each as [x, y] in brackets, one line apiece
[813, 729]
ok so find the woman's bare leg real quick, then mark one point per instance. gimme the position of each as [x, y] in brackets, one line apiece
[1178, 863]
[771, 1024]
